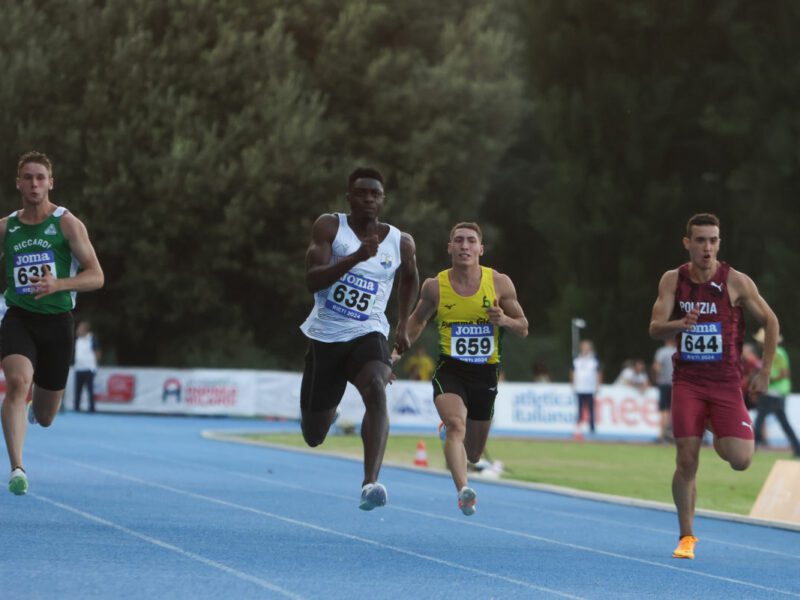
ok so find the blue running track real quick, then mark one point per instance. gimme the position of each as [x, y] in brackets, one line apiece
[145, 507]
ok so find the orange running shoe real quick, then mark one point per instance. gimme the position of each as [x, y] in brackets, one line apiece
[685, 547]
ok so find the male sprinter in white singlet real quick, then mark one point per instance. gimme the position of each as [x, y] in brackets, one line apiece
[473, 306]
[350, 268]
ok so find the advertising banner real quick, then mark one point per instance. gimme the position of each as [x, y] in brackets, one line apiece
[520, 408]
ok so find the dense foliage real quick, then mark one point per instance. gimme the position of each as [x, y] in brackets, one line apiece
[199, 140]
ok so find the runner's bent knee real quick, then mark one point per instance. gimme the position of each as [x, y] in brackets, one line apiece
[17, 385]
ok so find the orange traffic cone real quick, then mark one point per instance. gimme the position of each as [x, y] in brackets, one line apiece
[421, 458]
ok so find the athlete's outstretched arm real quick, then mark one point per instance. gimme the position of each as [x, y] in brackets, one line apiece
[425, 309]
[747, 295]
[319, 273]
[407, 288]
[661, 328]
[91, 276]
[507, 311]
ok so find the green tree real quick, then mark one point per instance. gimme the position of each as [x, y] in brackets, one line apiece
[647, 113]
[199, 140]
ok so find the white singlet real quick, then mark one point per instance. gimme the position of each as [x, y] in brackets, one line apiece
[355, 305]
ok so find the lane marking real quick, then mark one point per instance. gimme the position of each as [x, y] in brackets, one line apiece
[311, 526]
[439, 493]
[263, 583]
[459, 521]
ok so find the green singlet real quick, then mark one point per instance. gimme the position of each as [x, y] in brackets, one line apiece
[31, 251]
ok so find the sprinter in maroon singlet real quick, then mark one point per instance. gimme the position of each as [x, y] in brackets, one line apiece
[700, 304]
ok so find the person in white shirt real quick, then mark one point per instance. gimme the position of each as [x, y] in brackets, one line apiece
[662, 375]
[87, 353]
[586, 378]
[634, 374]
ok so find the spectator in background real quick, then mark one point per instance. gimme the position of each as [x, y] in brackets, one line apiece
[420, 366]
[774, 400]
[634, 374]
[751, 363]
[585, 377]
[540, 373]
[662, 376]
[87, 354]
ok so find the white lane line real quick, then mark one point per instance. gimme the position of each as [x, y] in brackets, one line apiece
[443, 494]
[459, 521]
[524, 485]
[314, 527]
[603, 552]
[263, 583]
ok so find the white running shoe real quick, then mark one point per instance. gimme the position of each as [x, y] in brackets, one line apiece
[479, 466]
[18, 482]
[467, 499]
[373, 495]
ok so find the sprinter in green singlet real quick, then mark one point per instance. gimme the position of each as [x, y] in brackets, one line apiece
[48, 258]
[473, 306]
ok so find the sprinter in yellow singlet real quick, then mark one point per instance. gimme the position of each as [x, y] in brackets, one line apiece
[473, 305]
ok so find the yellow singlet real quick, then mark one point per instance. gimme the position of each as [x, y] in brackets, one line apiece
[464, 329]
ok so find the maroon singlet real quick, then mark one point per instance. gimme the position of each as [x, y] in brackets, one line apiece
[710, 353]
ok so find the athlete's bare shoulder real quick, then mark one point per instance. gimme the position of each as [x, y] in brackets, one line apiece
[407, 240]
[325, 227]
[669, 281]
[69, 222]
[737, 277]
[503, 286]
[430, 289]
[740, 286]
[327, 220]
[501, 280]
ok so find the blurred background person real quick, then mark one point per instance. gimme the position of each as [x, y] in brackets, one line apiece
[662, 377]
[634, 374]
[751, 363]
[585, 377]
[540, 373]
[420, 365]
[774, 401]
[87, 355]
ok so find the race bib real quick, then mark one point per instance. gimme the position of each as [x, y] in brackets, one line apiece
[33, 264]
[702, 343]
[472, 343]
[352, 297]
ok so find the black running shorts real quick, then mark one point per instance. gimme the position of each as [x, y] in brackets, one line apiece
[46, 340]
[475, 384]
[329, 366]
